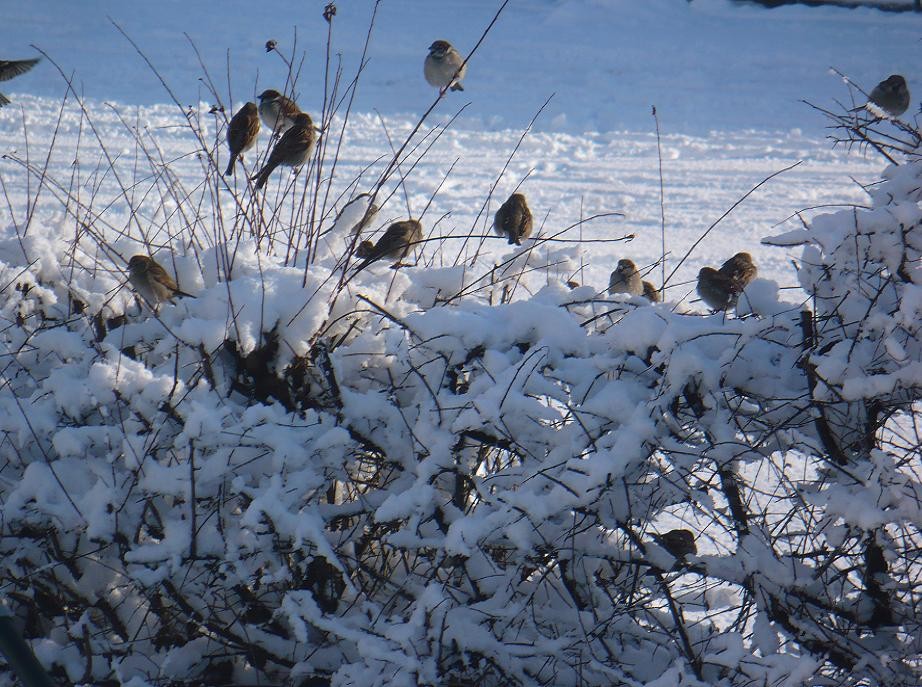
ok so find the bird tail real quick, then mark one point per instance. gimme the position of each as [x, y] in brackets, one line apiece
[366, 249]
[263, 176]
[4, 100]
[230, 166]
[456, 86]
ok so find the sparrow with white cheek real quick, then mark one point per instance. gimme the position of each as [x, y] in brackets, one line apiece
[277, 111]
[12, 68]
[513, 219]
[395, 244]
[625, 279]
[293, 149]
[151, 281]
[890, 96]
[442, 65]
[241, 133]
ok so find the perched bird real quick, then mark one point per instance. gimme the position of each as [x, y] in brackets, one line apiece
[513, 219]
[357, 214]
[741, 270]
[151, 281]
[650, 292]
[394, 245]
[442, 65]
[715, 288]
[721, 288]
[625, 279]
[277, 111]
[293, 149]
[679, 543]
[890, 96]
[241, 133]
[12, 68]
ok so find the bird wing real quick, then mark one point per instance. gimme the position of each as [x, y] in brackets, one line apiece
[11, 68]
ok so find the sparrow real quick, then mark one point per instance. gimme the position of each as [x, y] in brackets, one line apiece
[12, 68]
[277, 112]
[721, 288]
[241, 133]
[513, 219]
[741, 270]
[293, 149]
[890, 96]
[394, 245]
[679, 543]
[625, 279]
[650, 292]
[357, 214]
[715, 289]
[442, 65]
[151, 281]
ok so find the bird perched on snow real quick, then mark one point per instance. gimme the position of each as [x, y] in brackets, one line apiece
[513, 219]
[679, 543]
[890, 96]
[12, 68]
[277, 111]
[293, 149]
[151, 281]
[650, 292]
[241, 133]
[625, 279]
[442, 65]
[721, 288]
[394, 245]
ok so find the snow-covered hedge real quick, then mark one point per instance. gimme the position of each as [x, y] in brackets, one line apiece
[434, 476]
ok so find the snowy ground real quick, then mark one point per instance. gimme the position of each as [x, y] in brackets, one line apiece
[726, 81]
[569, 178]
[707, 65]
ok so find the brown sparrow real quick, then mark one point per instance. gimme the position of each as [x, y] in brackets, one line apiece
[513, 219]
[11, 68]
[625, 279]
[241, 133]
[442, 65]
[741, 270]
[721, 288]
[151, 281]
[293, 149]
[650, 292]
[715, 289]
[394, 245]
[277, 111]
[890, 96]
[679, 543]
[357, 214]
